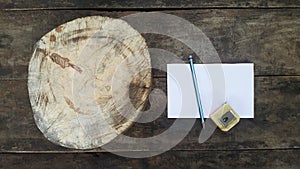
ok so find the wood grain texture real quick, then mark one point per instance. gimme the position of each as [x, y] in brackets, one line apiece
[269, 39]
[151, 4]
[279, 159]
[267, 130]
[76, 101]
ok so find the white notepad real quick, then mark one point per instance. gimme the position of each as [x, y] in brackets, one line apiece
[218, 83]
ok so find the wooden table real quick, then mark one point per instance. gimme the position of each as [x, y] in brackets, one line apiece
[265, 33]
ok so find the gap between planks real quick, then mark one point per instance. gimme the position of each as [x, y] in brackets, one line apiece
[162, 76]
[175, 150]
[148, 9]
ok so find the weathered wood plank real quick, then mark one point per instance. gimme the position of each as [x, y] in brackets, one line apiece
[269, 38]
[275, 125]
[174, 159]
[152, 4]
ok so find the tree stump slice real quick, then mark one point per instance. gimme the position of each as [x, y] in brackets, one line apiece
[82, 77]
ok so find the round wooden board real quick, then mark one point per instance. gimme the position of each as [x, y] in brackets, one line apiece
[82, 77]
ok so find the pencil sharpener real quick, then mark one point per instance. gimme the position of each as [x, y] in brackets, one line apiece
[225, 117]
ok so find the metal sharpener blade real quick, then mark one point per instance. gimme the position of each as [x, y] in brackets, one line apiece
[227, 118]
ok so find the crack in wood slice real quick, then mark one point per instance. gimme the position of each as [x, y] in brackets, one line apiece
[63, 62]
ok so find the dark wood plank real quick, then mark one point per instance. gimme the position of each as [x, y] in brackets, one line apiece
[240, 33]
[151, 4]
[269, 38]
[174, 159]
[275, 125]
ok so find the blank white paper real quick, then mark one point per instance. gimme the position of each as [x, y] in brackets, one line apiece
[218, 83]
